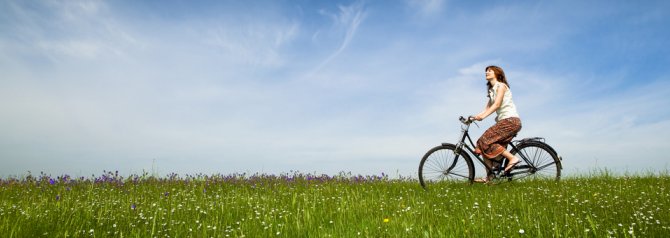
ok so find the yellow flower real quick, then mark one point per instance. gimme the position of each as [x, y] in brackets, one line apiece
[386, 220]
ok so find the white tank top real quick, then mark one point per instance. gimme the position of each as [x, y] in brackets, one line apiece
[507, 108]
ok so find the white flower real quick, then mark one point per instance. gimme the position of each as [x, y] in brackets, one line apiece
[521, 231]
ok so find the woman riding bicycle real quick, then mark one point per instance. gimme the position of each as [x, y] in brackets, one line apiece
[493, 143]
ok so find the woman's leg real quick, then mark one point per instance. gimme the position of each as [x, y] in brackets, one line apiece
[511, 160]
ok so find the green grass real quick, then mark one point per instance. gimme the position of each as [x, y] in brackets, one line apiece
[298, 205]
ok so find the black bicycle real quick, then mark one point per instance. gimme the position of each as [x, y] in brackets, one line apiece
[449, 162]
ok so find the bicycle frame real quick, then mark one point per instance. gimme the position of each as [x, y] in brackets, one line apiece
[462, 143]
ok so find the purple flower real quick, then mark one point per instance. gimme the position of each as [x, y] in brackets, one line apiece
[166, 194]
[52, 181]
[57, 197]
[132, 206]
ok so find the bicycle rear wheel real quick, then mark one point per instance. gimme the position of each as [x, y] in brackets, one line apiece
[441, 164]
[538, 161]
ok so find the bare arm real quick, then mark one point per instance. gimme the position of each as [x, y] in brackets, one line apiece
[490, 108]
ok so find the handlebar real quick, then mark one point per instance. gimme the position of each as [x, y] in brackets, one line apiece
[468, 121]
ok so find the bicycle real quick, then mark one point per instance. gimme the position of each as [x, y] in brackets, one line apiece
[449, 162]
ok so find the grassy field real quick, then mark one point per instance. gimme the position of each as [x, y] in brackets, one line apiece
[303, 205]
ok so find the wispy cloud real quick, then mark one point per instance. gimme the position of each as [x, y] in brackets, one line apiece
[254, 43]
[69, 30]
[345, 24]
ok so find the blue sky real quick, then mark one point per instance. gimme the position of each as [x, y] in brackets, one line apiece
[323, 86]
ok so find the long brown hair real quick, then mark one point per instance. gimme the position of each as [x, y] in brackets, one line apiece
[500, 76]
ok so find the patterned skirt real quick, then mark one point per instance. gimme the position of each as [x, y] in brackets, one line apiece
[494, 141]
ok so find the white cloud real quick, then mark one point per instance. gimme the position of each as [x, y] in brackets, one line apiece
[346, 23]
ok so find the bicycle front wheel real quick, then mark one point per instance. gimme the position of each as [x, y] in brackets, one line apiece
[441, 164]
[538, 162]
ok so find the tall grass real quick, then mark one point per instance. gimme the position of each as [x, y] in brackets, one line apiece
[304, 205]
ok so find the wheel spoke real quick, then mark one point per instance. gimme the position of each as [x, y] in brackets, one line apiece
[441, 164]
[541, 164]
[546, 165]
[460, 175]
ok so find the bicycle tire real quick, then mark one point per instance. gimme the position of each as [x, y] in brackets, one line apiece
[440, 164]
[544, 163]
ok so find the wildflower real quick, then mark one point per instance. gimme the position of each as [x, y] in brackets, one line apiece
[521, 231]
[132, 206]
[57, 197]
[52, 181]
[386, 220]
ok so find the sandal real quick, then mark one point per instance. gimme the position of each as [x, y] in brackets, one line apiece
[510, 166]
